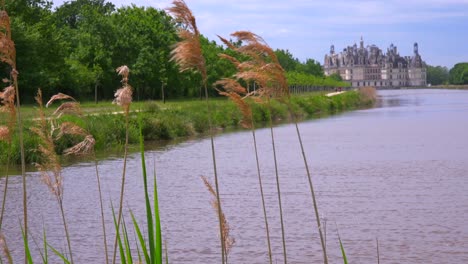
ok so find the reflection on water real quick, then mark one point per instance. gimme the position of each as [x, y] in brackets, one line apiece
[398, 173]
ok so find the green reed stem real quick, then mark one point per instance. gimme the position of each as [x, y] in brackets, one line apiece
[122, 188]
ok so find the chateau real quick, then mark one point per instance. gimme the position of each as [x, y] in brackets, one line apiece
[369, 66]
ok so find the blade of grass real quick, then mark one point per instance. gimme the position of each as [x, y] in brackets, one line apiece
[117, 237]
[127, 243]
[157, 221]
[137, 247]
[60, 255]
[149, 213]
[27, 252]
[343, 253]
[141, 239]
[46, 252]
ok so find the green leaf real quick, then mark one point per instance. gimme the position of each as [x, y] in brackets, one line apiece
[119, 241]
[149, 213]
[141, 239]
[65, 260]
[345, 260]
[26, 247]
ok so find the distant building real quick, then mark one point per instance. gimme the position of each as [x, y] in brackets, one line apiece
[369, 66]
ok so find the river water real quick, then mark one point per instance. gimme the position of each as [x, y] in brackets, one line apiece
[397, 173]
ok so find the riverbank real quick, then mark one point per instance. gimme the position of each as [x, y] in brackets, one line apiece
[183, 119]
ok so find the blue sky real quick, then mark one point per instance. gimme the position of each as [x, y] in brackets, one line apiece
[307, 28]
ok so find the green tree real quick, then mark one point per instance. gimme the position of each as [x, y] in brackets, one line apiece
[459, 73]
[287, 60]
[437, 75]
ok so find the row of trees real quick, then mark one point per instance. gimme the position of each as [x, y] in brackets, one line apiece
[437, 75]
[75, 48]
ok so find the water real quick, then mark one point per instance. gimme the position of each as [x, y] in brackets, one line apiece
[397, 173]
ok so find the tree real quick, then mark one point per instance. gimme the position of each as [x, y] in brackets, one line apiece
[437, 75]
[459, 73]
[287, 60]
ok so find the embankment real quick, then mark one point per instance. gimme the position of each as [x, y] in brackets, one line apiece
[185, 119]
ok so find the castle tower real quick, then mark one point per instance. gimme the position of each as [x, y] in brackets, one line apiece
[416, 52]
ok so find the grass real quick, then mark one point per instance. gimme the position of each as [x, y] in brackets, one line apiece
[178, 119]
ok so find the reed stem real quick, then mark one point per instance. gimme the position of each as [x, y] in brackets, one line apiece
[213, 155]
[261, 193]
[67, 235]
[5, 190]
[277, 183]
[311, 186]
[102, 209]
[23, 162]
[122, 188]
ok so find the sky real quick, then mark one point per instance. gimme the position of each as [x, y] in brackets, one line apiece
[307, 28]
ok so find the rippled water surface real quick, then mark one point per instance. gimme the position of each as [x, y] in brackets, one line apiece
[397, 173]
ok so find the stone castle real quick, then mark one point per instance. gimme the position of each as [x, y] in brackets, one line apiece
[369, 66]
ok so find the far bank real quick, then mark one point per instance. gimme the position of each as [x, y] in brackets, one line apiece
[184, 119]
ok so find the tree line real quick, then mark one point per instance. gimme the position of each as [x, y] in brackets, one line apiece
[437, 75]
[74, 48]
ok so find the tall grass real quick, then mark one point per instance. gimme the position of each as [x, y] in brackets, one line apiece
[188, 54]
[7, 98]
[49, 130]
[259, 69]
[123, 97]
[234, 90]
[8, 56]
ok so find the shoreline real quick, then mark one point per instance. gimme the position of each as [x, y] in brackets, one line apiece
[185, 121]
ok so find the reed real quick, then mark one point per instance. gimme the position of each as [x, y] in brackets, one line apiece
[228, 240]
[7, 99]
[5, 249]
[8, 56]
[123, 97]
[368, 94]
[50, 130]
[234, 90]
[277, 86]
[188, 54]
[259, 68]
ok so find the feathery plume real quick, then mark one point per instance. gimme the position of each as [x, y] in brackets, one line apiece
[187, 53]
[7, 46]
[4, 133]
[69, 128]
[123, 96]
[83, 148]
[68, 108]
[229, 241]
[123, 71]
[59, 96]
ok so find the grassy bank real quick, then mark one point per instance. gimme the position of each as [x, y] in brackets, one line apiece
[178, 119]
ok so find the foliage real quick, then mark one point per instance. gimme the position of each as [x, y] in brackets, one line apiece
[459, 73]
[437, 75]
[303, 79]
[289, 63]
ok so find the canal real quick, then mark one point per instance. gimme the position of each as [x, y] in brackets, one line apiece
[397, 173]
